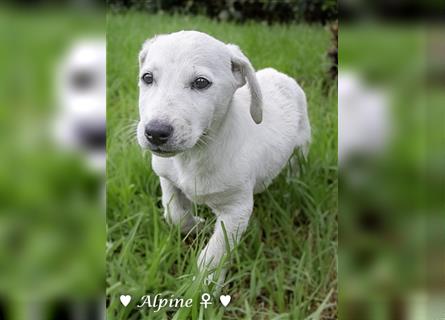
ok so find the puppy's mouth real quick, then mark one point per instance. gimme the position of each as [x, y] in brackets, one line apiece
[164, 153]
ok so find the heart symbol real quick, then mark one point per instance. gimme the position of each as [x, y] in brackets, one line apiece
[125, 299]
[225, 300]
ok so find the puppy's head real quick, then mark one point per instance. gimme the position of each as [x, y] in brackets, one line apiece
[186, 82]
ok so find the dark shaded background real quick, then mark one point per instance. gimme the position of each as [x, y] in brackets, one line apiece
[270, 11]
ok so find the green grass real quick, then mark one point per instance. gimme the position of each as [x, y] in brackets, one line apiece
[285, 267]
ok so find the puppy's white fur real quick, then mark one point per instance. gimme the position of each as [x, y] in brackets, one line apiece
[229, 141]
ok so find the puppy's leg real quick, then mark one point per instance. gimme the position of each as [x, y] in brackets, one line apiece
[235, 218]
[177, 208]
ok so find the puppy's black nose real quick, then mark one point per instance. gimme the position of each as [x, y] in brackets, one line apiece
[158, 132]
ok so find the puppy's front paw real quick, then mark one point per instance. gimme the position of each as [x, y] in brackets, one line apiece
[187, 222]
[216, 279]
[208, 259]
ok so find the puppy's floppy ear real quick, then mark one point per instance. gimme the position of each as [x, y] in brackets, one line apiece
[144, 51]
[242, 70]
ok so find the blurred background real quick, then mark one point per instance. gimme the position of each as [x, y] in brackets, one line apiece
[391, 160]
[52, 219]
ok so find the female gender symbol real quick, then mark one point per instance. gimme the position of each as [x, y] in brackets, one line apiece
[205, 298]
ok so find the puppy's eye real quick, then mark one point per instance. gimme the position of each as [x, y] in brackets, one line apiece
[201, 83]
[147, 78]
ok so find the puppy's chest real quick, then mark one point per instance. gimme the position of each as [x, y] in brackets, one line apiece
[201, 189]
[200, 186]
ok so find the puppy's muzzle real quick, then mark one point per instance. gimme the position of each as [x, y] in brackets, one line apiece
[158, 133]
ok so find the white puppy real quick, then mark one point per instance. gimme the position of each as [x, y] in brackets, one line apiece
[215, 140]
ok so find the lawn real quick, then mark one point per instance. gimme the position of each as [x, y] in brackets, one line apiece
[286, 265]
